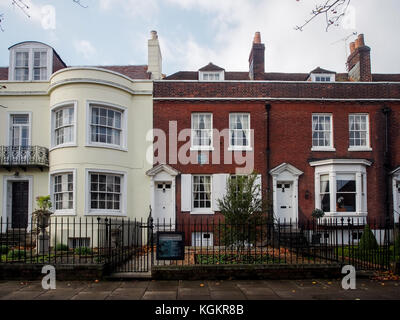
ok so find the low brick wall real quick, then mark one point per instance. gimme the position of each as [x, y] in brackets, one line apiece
[23, 271]
[214, 272]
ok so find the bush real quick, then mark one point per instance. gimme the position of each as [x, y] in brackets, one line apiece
[4, 249]
[16, 254]
[83, 251]
[61, 247]
[368, 240]
[397, 245]
[317, 213]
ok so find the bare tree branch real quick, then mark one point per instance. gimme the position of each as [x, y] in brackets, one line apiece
[333, 10]
[21, 5]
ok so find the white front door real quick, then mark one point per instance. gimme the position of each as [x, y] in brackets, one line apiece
[163, 205]
[284, 197]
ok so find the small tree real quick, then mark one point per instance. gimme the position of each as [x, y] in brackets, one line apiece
[368, 240]
[42, 214]
[243, 209]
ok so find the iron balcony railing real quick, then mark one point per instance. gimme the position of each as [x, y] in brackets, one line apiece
[24, 156]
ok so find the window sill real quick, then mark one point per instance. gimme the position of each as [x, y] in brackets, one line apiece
[240, 149]
[363, 149]
[59, 213]
[345, 214]
[105, 213]
[201, 148]
[316, 149]
[202, 212]
[69, 145]
[106, 146]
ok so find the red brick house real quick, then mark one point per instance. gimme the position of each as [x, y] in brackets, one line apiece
[319, 140]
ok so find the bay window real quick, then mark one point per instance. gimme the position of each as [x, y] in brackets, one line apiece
[341, 186]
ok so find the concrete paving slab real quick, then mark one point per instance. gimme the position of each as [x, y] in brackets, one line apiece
[135, 284]
[160, 295]
[230, 295]
[192, 284]
[94, 295]
[25, 295]
[261, 290]
[58, 294]
[104, 285]
[162, 285]
[222, 285]
[136, 293]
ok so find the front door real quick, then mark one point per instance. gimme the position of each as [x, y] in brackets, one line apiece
[163, 210]
[20, 201]
[284, 193]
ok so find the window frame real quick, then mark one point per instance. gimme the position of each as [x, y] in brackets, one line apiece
[53, 110]
[123, 198]
[331, 76]
[52, 174]
[202, 210]
[200, 147]
[10, 124]
[31, 48]
[124, 127]
[367, 147]
[240, 148]
[329, 148]
[221, 75]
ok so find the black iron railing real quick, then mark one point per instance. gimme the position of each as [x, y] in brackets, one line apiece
[24, 156]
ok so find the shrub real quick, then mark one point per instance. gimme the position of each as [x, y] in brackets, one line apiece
[83, 251]
[16, 254]
[397, 245]
[61, 247]
[317, 213]
[4, 249]
[368, 240]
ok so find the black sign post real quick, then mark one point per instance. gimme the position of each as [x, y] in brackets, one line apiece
[170, 245]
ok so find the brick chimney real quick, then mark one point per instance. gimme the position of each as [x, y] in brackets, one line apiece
[154, 58]
[256, 59]
[359, 61]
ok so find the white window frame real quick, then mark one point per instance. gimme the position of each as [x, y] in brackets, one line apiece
[331, 76]
[30, 47]
[124, 127]
[202, 148]
[336, 167]
[8, 134]
[53, 110]
[63, 212]
[206, 75]
[202, 210]
[367, 147]
[322, 148]
[122, 212]
[202, 243]
[240, 148]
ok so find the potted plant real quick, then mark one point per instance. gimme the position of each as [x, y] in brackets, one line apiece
[41, 217]
[317, 213]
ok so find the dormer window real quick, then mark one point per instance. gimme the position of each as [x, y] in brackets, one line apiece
[322, 75]
[30, 61]
[211, 72]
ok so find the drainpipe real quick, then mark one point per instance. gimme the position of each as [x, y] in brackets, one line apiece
[387, 161]
[268, 149]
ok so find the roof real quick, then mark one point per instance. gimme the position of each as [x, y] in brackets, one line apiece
[211, 67]
[320, 70]
[3, 73]
[133, 72]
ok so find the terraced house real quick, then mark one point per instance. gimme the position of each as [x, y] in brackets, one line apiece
[76, 133]
[321, 139]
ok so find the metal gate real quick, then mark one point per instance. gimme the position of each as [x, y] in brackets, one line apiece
[130, 245]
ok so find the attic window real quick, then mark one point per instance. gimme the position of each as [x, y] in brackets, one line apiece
[322, 77]
[30, 62]
[211, 76]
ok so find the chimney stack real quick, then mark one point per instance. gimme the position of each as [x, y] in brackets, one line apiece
[359, 61]
[256, 59]
[154, 59]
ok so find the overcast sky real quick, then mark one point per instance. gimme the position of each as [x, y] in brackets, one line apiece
[195, 32]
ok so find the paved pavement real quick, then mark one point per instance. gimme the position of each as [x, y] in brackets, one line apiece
[202, 290]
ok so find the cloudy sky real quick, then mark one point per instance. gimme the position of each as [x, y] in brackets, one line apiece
[195, 32]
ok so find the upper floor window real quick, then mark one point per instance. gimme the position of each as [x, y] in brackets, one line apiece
[107, 126]
[358, 132]
[211, 76]
[30, 61]
[239, 130]
[63, 120]
[20, 127]
[322, 135]
[202, 131]
[323, 78]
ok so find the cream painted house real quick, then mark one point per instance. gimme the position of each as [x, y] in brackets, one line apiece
[76, 133]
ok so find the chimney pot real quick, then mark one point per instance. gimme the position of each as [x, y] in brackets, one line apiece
[361, 40]
[257, 37]
[352, 47]
[154, 34]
